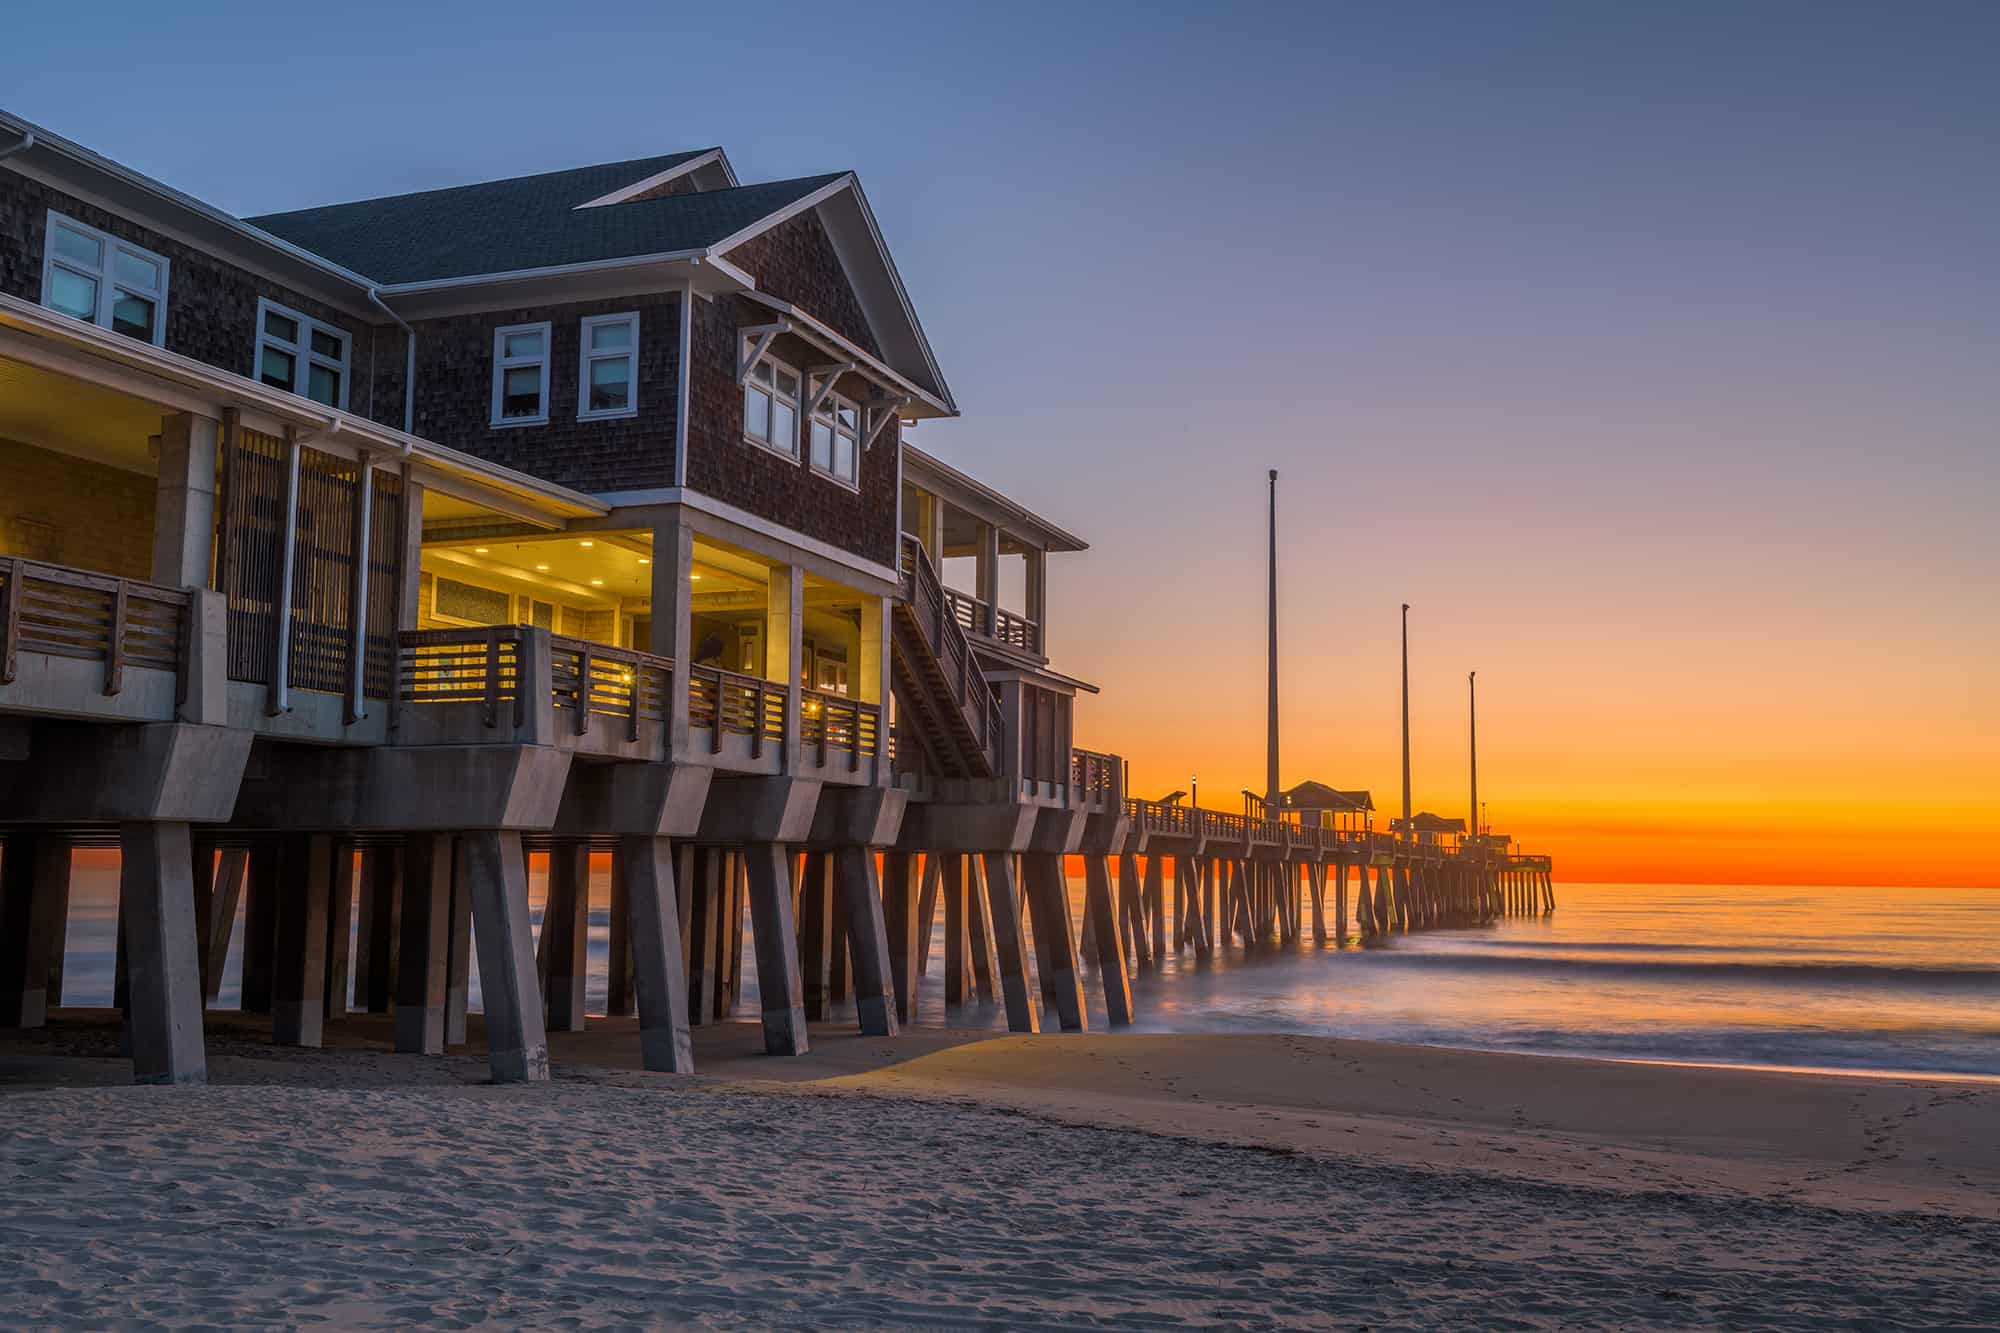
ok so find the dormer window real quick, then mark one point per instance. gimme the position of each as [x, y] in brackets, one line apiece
[771, 406]
[836, 439]
[300, 355]
[521, 375]
[607, 379]
[92, 275]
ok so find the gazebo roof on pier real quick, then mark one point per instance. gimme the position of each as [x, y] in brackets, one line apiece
[1426, 822]
[1319, 796]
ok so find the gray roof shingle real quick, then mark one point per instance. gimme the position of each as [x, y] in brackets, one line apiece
[527, 222]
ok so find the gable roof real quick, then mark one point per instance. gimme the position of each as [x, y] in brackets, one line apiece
[1319, 796]
[1426, 822]
[530, 222]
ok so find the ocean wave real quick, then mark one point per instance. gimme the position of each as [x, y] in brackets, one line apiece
[1810, 975]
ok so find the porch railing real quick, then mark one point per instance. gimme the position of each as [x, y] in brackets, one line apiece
[993, 622]
[1095, 779]
[730, 704]
[71, 613]
[596, 679]
[482, 666]
[485, 666]
[836, 722]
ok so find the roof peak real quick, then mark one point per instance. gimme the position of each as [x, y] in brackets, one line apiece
[637, 167]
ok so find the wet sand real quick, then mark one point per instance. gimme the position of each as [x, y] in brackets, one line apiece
[959, 1179]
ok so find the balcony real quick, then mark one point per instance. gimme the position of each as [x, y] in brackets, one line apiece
[82, 645]
[499, 685]
[515, 684]
[993, 623]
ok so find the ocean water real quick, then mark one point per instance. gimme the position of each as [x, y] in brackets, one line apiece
[1860, 979]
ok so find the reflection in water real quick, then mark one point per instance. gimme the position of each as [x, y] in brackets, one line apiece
[1884, 979]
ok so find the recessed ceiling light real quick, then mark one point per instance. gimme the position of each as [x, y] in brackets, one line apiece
[479, 550]
[543, 568]
[586, 543]
[645, 559]
[597, 583]
[694, 578]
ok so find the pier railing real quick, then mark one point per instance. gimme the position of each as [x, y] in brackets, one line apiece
[1096, 781]
[836, 722]
[496, 670]
[74, 614]
[726, 703]
[593, 679]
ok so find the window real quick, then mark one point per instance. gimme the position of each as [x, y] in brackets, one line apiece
[607, 378]
[836, 438]
[114, 284]
[771, 406]
[301, 355]
[521, 375]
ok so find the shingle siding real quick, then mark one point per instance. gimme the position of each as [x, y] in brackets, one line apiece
[211, 304]
[726, 466]
[795, 261]
[455, 396]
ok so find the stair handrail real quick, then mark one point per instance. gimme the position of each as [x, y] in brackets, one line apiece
[924, 590]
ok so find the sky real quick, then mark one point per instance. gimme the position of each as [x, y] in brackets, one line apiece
[1646, 351]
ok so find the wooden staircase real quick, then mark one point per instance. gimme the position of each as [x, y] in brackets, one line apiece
[947, 716]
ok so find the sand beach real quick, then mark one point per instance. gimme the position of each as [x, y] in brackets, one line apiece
[960, 1180]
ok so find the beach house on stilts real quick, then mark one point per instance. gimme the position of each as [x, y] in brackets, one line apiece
[351, 555]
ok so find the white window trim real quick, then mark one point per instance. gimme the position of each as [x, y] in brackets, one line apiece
[502, 364]
[798, 403]
[303, 355]
[585, 356]
[829, 410]
[103, 276]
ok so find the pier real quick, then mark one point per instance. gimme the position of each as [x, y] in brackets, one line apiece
[337, 666]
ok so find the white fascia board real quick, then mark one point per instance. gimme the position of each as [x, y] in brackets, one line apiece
[31, 333]
[622, 502]
[902, 295]
[154, 206]
[805, 326]
[787, 213]
[931, 473]
[548, 271]
[654, 181]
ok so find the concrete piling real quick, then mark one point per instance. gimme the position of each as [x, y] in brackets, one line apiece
[645, 867]
[298, 973]
[772, 924]
[423, 952]
[516, 1042]
[156, 895]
